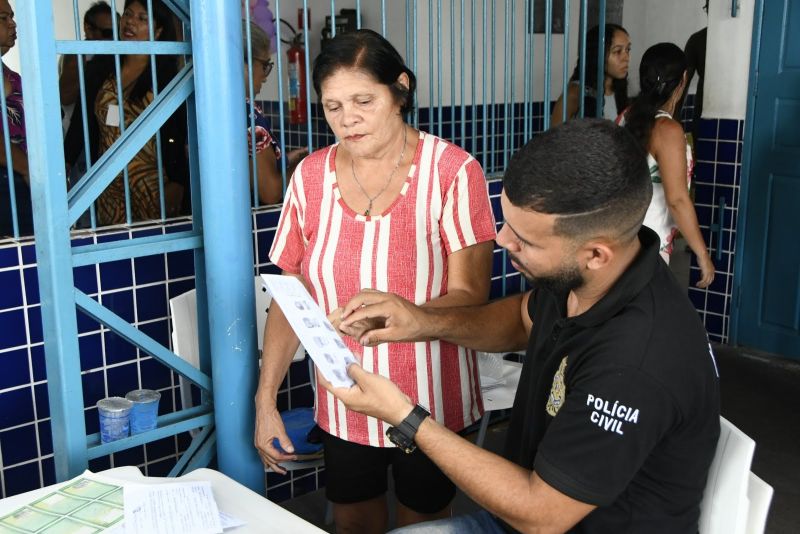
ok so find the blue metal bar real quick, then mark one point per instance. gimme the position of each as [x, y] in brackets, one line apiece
[463, 75]
[416, 62]
[154, 81]
[129, 143]
[734, 8]
[159, 48]
[358, 14]
[565, 63]
[133, 335]
[452, 71]
[281, 112]
[507, 77]
[205, 454]
[484, 93]
[582, 57]
[526, 98]
[189, 453]
[251, 97]
[493, 108]
[135, 248]
[229, 260]
[440, 69]
[308, 78]
[180, 8]
[601, 57]
[167, 425]
[513, 118]
[333, 18]
[49, 195]
[473, 82]
[383, 16]
[431, 42]
[548, 50]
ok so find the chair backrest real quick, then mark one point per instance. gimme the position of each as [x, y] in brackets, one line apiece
[760, 495]
[725, 501]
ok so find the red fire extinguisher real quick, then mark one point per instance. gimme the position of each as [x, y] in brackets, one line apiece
[297, 77]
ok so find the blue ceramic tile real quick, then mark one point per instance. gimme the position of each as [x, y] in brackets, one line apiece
[158, 330]
[150, 269]
[35, 324]
[19, 444]
[9, 256]
[713, 324]
[299, 374]
[115, 275]
[180, 287]
[45, 438]
[160, 469]
[91, 350]
[180, 264]
[301, 397]
[703, 194]
[94, 388]
[279, 493]
[132, 456]
[86, 323]
[166, 404]
[100, 464]
[283, 398]
[17, 407]
[708, 129]
[13, 332]
[91, 421]
[726, 174]
[716, 303]
[122, 379]
[37, 363]
[697, 296]
[42, 398]
[11, 295]
[151, 302]
[121, 303]
[31, 277]
[86, 278]
[48, 471]
[161, 448]
[705, 150]
[728, 130]
[28, 254]
[147, 232]
[21, 478]
[155, 375]
[15, 368]
[303, 485]
[726, 152]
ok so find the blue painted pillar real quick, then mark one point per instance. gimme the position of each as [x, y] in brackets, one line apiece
[227, 233]
[53, 254]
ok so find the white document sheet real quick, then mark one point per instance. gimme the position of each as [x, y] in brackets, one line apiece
[311, 325]
[179, 508]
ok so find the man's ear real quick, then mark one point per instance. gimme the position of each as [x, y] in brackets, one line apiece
[597, 254]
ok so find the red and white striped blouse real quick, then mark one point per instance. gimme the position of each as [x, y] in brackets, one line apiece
[443, 207]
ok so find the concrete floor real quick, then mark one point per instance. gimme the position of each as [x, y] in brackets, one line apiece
[759, 394]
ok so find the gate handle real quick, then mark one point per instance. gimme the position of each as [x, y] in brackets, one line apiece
[716, 228]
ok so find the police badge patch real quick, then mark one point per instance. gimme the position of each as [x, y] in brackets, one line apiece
[558, 390]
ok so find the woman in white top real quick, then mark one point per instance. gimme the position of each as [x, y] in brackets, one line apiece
[615, 85]
[662, 75]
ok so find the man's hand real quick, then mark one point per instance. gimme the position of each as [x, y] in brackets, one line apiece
[373, 317]
[269, 426]
[357, 329]
[372, 395]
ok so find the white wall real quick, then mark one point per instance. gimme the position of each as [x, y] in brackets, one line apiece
[728, 60]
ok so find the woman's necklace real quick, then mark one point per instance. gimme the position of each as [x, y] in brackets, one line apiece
[371, 199]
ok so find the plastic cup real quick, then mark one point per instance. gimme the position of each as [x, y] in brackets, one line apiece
[114, 413]
[144, 414]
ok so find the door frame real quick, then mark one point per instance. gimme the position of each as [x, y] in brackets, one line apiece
[747, 157]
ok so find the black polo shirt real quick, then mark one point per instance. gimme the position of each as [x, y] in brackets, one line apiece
[619, 406]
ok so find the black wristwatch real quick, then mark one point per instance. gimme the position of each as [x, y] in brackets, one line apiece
[403, 434]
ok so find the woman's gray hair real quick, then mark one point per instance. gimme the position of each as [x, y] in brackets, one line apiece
[259, 41]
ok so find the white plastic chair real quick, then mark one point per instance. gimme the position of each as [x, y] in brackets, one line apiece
[499, 381]
[735, 501]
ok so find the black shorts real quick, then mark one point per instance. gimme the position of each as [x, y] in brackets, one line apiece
[356, 473]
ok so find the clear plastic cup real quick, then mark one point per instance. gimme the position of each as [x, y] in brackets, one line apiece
[114, 414]
[144, 415]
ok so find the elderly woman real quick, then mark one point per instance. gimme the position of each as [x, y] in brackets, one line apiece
[662, 76]
[395, 209]
[267, 151]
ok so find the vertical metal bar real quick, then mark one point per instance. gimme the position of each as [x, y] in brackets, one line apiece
[493, 108]
[281, 113]
[416, 62]
[582, 56]
[513, 78]
[383, 16]
[53, 251]
[548, 50]
[154, 79]
[526, 73]
[439, 85]
[453, 71]
[485, 94]
[508, 74]
[463, 75]
[358, 14]
[121, 105]
[601, 57]
[565, 64]
[251, 97]
[308, 77]
[218, 55]
[430, 66]
[473, 82]
[333, 18]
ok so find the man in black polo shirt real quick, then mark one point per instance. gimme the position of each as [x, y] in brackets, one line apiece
[616, 418]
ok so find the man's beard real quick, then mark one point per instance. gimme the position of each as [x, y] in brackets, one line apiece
[562, 281]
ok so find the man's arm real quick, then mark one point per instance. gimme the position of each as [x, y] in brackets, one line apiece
[514, 494]
[501, 325]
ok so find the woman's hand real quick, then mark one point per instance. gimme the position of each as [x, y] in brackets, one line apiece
[269, 426]
[706, 271]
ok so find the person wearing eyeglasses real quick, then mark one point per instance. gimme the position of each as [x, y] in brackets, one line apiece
[97, 26]
[260, 139]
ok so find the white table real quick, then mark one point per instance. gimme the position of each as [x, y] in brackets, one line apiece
[232, 498]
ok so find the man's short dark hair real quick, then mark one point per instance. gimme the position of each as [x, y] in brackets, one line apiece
[591, 173]
[96, 9]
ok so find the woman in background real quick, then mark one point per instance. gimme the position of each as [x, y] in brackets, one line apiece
[615, 84]
[662, 77]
